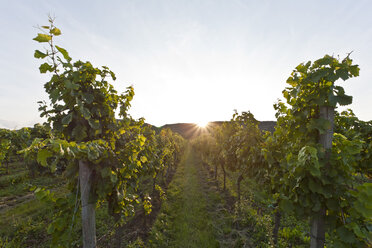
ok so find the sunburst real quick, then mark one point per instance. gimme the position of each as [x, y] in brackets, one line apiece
[202, 124]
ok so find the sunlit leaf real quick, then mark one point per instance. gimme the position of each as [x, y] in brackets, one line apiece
[42, 38]
[39, 55]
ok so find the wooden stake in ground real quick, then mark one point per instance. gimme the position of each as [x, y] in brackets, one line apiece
[317, 232]
[88, 216]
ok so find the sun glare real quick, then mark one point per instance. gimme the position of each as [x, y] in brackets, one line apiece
[202, 124]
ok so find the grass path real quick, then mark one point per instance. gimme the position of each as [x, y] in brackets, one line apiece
[184, 220]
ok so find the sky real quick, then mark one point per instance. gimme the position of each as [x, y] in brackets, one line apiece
[189, 60]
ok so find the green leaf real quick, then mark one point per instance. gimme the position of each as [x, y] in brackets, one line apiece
[143, 159]
[344, 100]
[64, 53]
[46, 27]
[332, 204]
[79, 133]
[364, 198]
[93, 155]
[354, 70]
[316, 76]
[67, 119]
[322, 125]
[345, 235]
[42, 156]
[94, 124]
[286, 205]
[70, 85]
[332, 77]
[308, 158]
[88, 97]
[366, 188]
[54, 95]
[113, 177]
[42, 38]
[302, 68]
[315, 187]
[342, 73]
[112, 75]
[105, 172]
[326, 60]
[39, 55]
[314, 171]
[332, 99]
[45, 67]
[316, 206]
[308, 154]
[363, 209]
[357, 231]
[142, 140]
[85, 113]
[53, 166]
[55, 31]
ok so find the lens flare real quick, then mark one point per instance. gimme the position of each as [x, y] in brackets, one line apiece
[202, 124]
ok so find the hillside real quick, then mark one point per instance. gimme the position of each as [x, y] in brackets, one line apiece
[191, 130]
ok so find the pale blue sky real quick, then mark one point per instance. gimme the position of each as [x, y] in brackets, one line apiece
[189, 61]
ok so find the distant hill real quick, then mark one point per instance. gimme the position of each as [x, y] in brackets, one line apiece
[267, 126]
[191, 130]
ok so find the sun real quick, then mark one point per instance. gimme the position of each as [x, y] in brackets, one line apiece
[202, 124]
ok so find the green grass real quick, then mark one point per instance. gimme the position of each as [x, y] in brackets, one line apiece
[11, 179]
[25, 224]
[184, 220]
[22, 187]
[18, 181]
[23, 219]
[252, 226]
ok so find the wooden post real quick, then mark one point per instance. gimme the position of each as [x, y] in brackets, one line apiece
[317, 232]
[87, 206]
